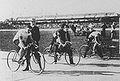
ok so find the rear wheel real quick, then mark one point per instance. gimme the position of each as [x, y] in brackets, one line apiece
[49, 56]
[37, 66]
[75, 55]
[106, 53]
[12, 61]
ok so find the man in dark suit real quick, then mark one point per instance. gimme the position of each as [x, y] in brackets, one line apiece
[103, 32]
[73, 29]
[35, 34]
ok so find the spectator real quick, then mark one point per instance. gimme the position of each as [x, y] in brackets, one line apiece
[103, 32]
[112, 30]
[73, 28]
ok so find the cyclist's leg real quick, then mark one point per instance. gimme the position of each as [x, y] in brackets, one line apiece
[56, 50]
[87, 49]
[21, 53]
[37, 56]
[52, 42]
[99, 51]
[94, 47]
[27, 56]
[69, 51]
[70, 56]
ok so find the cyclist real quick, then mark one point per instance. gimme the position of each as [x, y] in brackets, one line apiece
[56, 37]
[95, 38]
[21, 40]
[62, 36]
[35, 37]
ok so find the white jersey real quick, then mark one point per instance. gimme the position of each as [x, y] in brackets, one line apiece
[21, 35]
[56, 34]
[94, 34]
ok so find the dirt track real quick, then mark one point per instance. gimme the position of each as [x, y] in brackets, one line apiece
[88, 70]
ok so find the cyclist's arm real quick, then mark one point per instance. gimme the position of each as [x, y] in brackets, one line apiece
[22, 43]
[16, 39]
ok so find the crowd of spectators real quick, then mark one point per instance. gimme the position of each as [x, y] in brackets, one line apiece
[84, 26]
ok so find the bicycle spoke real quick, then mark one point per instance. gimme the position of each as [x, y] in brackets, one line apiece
[12, 61]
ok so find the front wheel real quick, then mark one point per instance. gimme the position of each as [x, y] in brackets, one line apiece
[75, 56]
[83, 49]
[37, 63]
[12, 61]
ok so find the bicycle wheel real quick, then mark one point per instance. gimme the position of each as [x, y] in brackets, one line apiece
[106, 53]
[82, 50]
[76, 57]
[35, 65]
[12, 59]
[49, 57]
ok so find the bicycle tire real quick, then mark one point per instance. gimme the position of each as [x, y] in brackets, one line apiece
[35, 68]
[76, 57]
[34, 59]
[49, 57]
[11, 66]
[82, 50]
[106, 53]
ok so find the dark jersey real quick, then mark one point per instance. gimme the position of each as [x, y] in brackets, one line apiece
[35, 33]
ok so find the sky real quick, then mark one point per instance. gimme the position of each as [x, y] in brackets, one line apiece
[25, 8]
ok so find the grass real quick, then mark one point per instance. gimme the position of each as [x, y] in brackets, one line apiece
[46, 37]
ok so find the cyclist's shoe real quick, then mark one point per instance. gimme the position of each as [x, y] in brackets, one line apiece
[55, 62]
[26, 69]
[72, 63]
[84, 56]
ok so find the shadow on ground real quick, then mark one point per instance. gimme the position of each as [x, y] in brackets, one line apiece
[78, 73]
[101, 65]
[94, 64]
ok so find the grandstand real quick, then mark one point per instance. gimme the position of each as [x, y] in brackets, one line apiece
[70, 18]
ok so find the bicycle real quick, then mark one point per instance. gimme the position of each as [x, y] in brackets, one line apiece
[14, 64]
[51, 56]
[103, 47]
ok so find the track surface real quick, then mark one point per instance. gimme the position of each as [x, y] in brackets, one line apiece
[92, 69]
